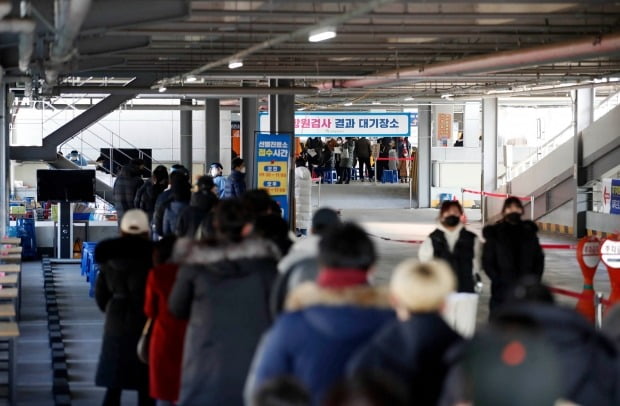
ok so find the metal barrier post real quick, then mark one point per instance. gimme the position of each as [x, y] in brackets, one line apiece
[598, 306]
[483, 207]
[410, 192]
[376, 171]
[462, 198]
[532, 208]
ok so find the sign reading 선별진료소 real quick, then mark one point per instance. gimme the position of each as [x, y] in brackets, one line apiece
[272, 167]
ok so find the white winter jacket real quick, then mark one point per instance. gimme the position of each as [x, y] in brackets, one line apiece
[303, 201]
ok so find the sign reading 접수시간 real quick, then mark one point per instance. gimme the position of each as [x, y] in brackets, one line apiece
[272, 166]
[324, 124]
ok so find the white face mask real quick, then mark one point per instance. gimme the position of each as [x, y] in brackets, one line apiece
[242, 170]
[215, 172]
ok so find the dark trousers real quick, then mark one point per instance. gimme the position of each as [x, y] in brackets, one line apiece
[364, 162]
[346, 175]
[113, 397]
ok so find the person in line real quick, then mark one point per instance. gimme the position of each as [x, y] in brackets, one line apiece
[347, 159]
[125, 188]
[235, 184]
[124, 263]
[301, 264]
[178, 174]
[456, 245]
[216, 171]
[222, 289]
[201, 204]
[181, 194]
[363, 151]
[393, 155]
[412, 349]
[327, 320]
[368, 389]
[511, 251]
[168, 332]
[148, 193]
[303, 197]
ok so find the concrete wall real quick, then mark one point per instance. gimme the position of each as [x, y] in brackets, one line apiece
[601, 133]
[563, 215]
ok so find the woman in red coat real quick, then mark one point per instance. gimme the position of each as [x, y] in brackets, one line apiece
[166, 346]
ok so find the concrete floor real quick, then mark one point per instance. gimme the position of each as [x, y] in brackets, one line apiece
[381, 209]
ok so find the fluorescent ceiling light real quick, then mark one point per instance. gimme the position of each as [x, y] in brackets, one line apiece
[322, 34]
[162, 89]
[376, 102]
[409, 98]
[234, 64]
[348, 104]
[191, 79]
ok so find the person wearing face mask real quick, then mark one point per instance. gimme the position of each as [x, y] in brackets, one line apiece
[456, 245]
[511, 252]
[235, 185]
[215, 171]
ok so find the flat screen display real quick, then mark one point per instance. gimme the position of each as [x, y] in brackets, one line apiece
[66, 185]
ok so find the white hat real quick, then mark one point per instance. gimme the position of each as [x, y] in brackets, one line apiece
[135, 221]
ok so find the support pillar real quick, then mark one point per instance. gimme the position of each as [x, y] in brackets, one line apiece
[4, 161]
[423, 192]
[582, 200]
[249, 117]
[186, 136]
[489, 144]
[285, 120]
[273, 107]
[212, 131]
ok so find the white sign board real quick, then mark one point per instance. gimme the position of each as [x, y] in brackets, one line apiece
[328, 124]
[606, 195]
[610, 253]
[591, 254]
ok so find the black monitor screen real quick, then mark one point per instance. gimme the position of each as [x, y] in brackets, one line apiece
[66, 185]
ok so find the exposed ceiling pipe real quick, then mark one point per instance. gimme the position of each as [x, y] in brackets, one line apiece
[498, 61]
[70, 15]
[188, 91]
[25, 28]
[304, 31]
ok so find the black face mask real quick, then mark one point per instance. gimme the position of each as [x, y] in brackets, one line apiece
[451, 221]
[513, 218]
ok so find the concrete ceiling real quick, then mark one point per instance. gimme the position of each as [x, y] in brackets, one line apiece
[168, 39]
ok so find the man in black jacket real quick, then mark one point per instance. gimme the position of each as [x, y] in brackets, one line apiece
[363, 153]
[235, 185]
[126, 186]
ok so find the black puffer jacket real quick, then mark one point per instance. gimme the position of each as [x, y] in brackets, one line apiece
[124, 264]
[511, 252]
[125, 188]
[146, 197]
[191, 217]
[224, 292]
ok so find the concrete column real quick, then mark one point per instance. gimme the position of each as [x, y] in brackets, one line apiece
[4, 161]
[423, 192]
[225, 139]
[186, 135]
[212, 130]
[249, 117]
[273, 107]
[472, 127]
[489, 144]
[582, 201]
[285, 121]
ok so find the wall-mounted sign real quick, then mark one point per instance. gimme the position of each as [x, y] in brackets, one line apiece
[610, 191]
[272, 166]
[327, 124]
[444, 126]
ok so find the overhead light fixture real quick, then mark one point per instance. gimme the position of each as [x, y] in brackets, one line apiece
[447, 96]
[191, 79]
[162, 89]
[409, 98]
[234, 64]
[322, 34]
[348, 104]
[376, 102]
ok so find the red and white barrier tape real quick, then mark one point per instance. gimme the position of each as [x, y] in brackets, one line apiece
[575, 295]
[500, 195]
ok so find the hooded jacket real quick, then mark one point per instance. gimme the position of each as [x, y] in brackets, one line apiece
[224, 292]
[191, 217]
[125, 188]
[316, 339]
[412, 351]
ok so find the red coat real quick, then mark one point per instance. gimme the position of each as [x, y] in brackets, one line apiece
[166, 346]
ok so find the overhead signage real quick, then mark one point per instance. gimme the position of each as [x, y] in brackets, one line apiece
[272, 167]
[610, 191]
[328, 124]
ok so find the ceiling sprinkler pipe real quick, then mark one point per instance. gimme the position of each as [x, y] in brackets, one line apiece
[586, 48]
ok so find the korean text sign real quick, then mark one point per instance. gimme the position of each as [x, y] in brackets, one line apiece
[326, 124]
[272, 167]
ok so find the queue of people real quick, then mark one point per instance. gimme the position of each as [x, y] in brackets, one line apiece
[240, 314]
